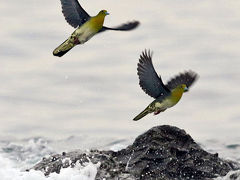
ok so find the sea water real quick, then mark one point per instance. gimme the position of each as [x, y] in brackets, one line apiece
[17, 156]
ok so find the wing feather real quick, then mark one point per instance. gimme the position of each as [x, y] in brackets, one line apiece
[74, 14]
[123, 27]
[149, 81]
[187, 78]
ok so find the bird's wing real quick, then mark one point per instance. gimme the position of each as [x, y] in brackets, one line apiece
[123, 27]
[186, 78]
[149, 81]
[74, 14]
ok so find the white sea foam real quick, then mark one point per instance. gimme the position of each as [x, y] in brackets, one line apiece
[234, 174]
[9, 171]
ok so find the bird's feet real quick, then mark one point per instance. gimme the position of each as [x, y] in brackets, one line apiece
[157, 112]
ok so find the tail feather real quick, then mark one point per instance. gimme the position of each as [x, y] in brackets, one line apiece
[63, 48]
[142, 114]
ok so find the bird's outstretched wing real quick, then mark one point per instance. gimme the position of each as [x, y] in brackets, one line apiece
[74, 14]
[123, 27]
[149, 81]
[186, 78]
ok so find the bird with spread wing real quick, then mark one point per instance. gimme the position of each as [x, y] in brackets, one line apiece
[165, 96]
[86, 25]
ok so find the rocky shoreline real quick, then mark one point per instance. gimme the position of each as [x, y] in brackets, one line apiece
[163, 152]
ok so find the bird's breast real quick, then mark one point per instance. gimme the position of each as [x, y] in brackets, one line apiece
[162, 104]
[168, 102]
[96, 22]
[172, 99]
[83, 34]
[87, 30]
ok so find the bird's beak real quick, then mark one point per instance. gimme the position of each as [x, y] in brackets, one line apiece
[106, 13]
[185, 89]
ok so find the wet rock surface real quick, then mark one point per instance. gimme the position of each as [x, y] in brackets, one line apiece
[163, 152]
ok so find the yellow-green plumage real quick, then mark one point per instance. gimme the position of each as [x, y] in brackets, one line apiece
[82, 33]
[162, 103]
[176, 94]
[166, 96]
[85, 25]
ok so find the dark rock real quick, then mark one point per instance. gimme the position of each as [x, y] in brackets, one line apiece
[163, 152]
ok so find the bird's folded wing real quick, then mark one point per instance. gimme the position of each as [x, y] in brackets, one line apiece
[149, 81]
[123, 27]
[186, 78]
[74, 14]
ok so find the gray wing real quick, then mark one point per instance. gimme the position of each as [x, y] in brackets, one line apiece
[123, 27]
[149, 81]
[74, 14]
[187, 78]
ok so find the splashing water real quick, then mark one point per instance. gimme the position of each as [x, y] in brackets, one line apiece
[8, 171]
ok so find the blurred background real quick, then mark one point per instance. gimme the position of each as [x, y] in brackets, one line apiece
[89, 97]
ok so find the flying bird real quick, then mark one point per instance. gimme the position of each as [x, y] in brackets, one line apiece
[86, 26]
[165, 96]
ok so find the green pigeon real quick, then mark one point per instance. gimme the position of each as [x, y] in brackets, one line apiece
[165, 96]
[86, 25]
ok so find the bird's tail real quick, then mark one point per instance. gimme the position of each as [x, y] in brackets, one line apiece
[142, 114]
[63, 48]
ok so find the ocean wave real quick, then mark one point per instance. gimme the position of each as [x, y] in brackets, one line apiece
[9, 171]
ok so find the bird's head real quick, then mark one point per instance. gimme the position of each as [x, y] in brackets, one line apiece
[103, 13]
[184, 87]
